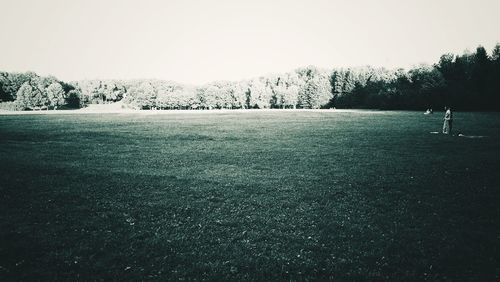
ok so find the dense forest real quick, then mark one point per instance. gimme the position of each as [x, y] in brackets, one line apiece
[470, 81]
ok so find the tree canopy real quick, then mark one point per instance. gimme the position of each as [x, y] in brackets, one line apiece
[470, 81]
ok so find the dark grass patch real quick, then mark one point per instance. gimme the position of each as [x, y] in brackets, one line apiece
[274, 196]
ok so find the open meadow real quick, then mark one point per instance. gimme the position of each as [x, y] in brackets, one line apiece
[264, 195]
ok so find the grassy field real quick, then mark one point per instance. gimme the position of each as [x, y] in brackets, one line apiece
[269, 195]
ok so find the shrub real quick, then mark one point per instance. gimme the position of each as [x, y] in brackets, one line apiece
[10, 106]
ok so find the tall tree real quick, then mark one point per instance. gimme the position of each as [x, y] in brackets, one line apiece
[30, 96]
[55, 95]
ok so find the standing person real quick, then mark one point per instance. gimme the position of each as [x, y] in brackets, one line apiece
[448, 118]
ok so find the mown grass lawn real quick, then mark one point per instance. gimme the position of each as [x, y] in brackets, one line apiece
[249, 196]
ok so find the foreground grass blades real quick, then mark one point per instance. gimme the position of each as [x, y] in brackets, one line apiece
[264, 196]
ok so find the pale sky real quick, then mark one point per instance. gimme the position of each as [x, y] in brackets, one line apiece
[200, 41]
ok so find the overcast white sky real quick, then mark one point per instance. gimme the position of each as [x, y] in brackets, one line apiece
[200, 41]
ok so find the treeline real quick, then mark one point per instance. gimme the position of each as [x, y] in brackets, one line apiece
[21, 91]
[470, 81]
